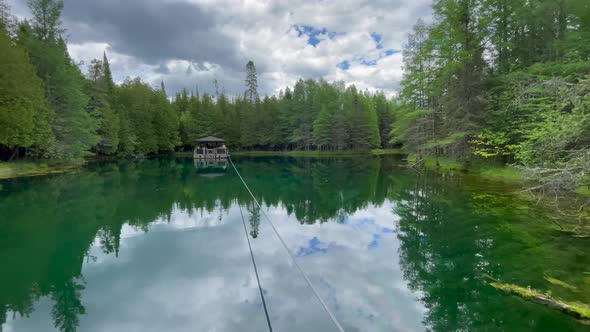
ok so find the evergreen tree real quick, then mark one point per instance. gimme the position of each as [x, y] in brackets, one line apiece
[108, 79]
[99, 107]
[251, 94]
[138, 134]
[190, 121]
[165, 122]
[24, 116]
[46, 22]
[180, 106]
[373, 137]
[249, 130]
[322, 128]
[385, 118]
[418, 65]
[74, 129]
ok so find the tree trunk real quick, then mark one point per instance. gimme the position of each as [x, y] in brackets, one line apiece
[13, 154]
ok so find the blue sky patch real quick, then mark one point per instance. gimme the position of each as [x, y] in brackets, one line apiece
[390, 52]
[382, 55]
[377, 38]
[314, 34]
[369, 62]
[375, 243]
[387, 230]
[344, 65]
[316, 246]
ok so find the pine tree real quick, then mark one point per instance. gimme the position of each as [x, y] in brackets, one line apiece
[251, 94]
[340, 130]
[180, 106]
[322, 128]
[99, 107]
[138, 132]
[165, 122]
[464, 102]
[418, 65]
[385, 118]
[373, 137]
[108, 79]
[249, 120]
[46, 23]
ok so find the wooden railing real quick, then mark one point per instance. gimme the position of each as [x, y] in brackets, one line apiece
[205, 153]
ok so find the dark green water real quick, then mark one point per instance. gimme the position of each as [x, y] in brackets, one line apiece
[159, 245]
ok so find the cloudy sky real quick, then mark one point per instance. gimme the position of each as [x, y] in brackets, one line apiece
[190, 43]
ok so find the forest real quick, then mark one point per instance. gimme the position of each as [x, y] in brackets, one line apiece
[501, 80]
[51, 109]
[497, 80]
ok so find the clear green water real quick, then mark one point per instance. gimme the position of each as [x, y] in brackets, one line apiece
[158, 245]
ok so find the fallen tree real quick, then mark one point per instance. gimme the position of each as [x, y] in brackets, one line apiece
[577, 310]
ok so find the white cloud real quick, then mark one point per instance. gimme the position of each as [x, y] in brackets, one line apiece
[222, 35]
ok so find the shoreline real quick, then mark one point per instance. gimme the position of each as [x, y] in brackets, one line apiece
[494, 172]
[17, 169]
[318, 153]
[303, 153]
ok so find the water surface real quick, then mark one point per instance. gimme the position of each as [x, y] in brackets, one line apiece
[158, 245]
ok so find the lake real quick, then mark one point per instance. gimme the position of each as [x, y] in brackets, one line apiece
[159, 245]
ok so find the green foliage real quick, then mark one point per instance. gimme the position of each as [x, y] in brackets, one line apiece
[492, 144]
[148, 122]
[73, 127]
[322, 135]
[564, 130]
[447, 140]
[100, 88]
[24, 115]
[525, 102]
[384, 111]
[406, 123]
[46, 23]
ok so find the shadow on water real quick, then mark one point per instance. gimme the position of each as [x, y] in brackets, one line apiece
[451, 232]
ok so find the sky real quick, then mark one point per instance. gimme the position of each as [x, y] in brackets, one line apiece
[192, 43]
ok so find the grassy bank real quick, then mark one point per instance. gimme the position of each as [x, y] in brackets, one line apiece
[504, 173]
[28, 168]
[498, 172]
[584, 191]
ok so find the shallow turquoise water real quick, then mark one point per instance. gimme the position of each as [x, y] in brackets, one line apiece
[158, 245]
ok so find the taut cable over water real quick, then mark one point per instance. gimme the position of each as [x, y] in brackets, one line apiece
[317, 295]
[256, 271]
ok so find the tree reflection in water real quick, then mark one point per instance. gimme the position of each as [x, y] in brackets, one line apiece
[451, 233]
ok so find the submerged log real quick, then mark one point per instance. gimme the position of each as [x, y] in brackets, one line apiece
[577, 310]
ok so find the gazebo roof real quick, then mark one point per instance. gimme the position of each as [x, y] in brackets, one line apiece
[210, 139]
